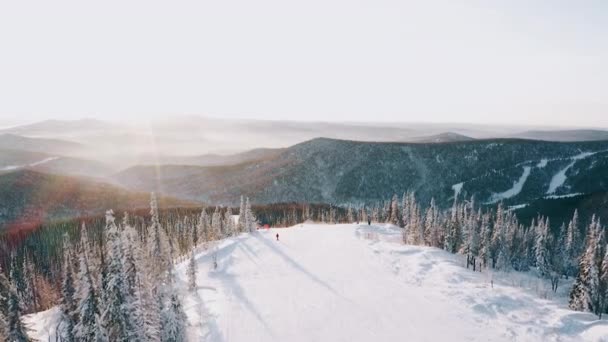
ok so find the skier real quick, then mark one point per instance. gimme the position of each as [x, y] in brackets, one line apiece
[369, 221]
[277, 236]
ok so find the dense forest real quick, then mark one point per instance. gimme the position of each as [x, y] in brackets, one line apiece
[112, 276]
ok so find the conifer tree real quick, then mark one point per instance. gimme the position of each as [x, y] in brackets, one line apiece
[68, 290]
[250, 221]
[87, 328]
[17, 332]
[585, 289]
[542, 252]
[192, 272]
[116, 318]
[395, 216]
[572, 245]
[242, 216]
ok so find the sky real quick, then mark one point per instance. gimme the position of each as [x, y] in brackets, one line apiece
[516, 62]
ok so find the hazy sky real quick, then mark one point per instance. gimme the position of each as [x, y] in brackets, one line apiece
[526, 62]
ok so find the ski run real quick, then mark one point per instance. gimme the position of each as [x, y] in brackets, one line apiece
[354, 282]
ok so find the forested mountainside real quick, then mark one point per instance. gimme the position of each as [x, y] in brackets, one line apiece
[28, 198]
[349, 172]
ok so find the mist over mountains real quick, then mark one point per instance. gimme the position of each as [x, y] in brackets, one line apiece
[216, 161]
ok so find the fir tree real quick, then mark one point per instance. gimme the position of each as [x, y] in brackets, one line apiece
[242, 216]
[17, 332]
[117, 320]
[585, 289]
[87, 328]
[68, 290]
[192, 272]
[173, 320]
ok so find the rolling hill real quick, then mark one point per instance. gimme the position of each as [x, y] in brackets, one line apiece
[565, 135]
[28, 197]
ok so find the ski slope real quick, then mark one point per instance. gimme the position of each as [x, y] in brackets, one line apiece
[358, 283]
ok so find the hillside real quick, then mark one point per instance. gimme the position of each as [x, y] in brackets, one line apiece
[28, 197]
[11, 160]
[565, 135]
[41, 145]
[219, 160]
[338, 171]
[359, 283]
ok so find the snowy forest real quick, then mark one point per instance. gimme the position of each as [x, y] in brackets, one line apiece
[118, 283]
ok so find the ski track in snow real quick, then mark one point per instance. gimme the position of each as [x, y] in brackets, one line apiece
[515, 190]
[15, 167]
[560, 177]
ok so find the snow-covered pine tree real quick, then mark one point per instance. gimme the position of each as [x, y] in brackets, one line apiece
[3, 325]
[173, 319]
[192, 272]
[132, 276]
[159, 245]
[198, 228]
[17, 331]
[572, 246]
[395, 217]
[604, 284]
[229, 226]
[541, 248]
[4, 289]
[87, 328]
[242, 216]
[350, 215]
[486, 239]
[503, 257]
[585, 289]
[68, 298]
[432, 233]
[116, 317]
[250, 221]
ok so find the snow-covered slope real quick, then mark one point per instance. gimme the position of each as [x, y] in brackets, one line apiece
[359, 283]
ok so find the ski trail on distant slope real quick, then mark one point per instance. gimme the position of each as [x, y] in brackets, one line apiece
[560, 177]
[515, 190]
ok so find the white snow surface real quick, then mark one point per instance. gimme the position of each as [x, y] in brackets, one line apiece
[515, 189]
[457, 189]
[359, 283]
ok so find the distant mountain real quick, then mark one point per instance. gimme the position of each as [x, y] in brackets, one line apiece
[565, 135]
[42, 145]
[60, 127]
[218, 160]
[341, 172]
[445, 137]
[28, 197]
[11, 160]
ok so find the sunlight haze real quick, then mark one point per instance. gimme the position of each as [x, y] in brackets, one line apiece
[432, 61]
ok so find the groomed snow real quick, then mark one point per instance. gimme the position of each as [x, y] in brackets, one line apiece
[358, 283]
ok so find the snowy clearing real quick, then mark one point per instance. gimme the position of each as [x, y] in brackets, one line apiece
[358, 283]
